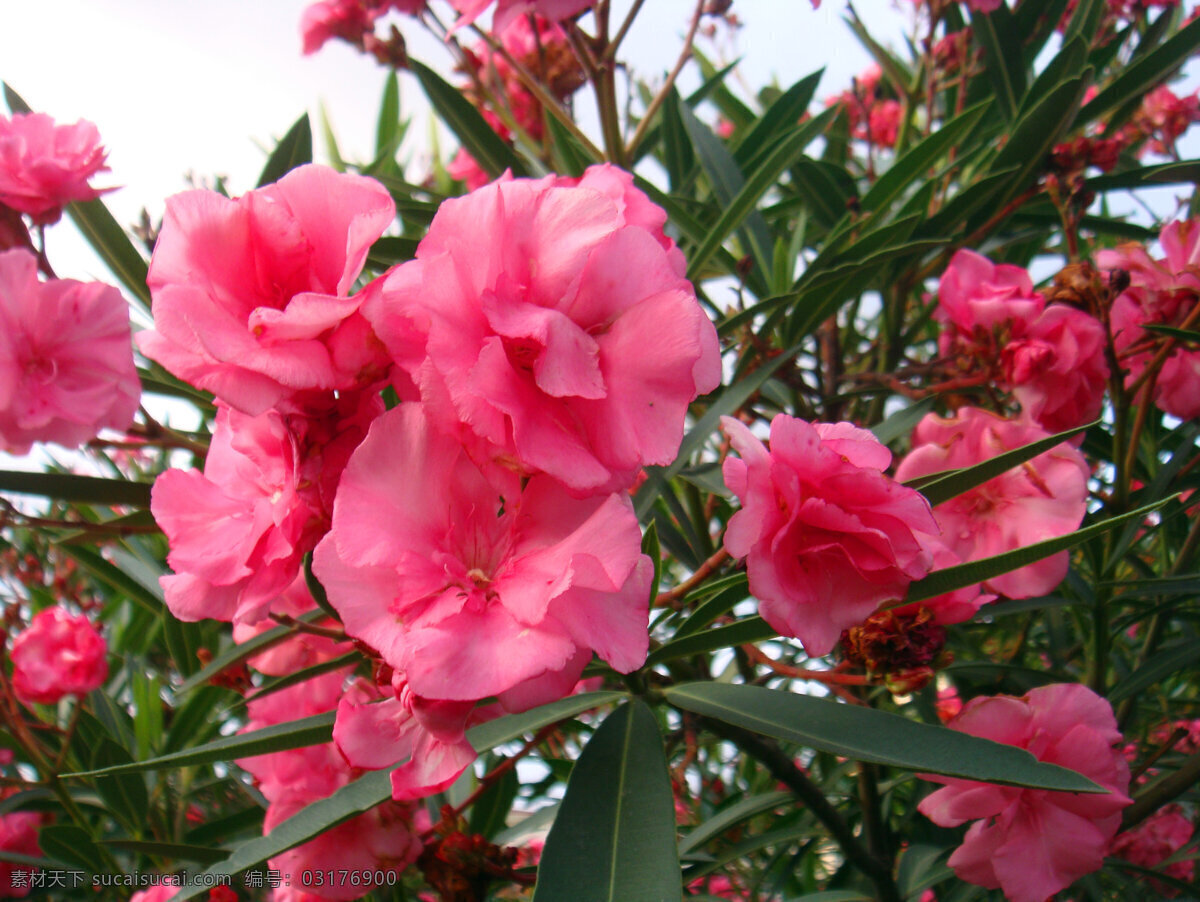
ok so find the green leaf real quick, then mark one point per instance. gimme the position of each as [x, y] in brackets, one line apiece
[15, 102]
[1186, 172]
[490, 810]
[571, 157]
[112, 245]
[960, 481]
[331, 143]
[739, 811]
[752, 629]
[997, 33]
[471, 129]
[294, 734]
[719, 604]
[614, 837]
[173, 850]
[825, 195]
[867, 734]
[652, 548]
[779, 119]
[294, 149]
[123, 792]
[387, 128]
[678, 154]
[1167, 660]
[903, 421]
[496, 732]
[72, 845]
[114, 577]
[389, 250]
[238, 652]
[78, 489]
[951, 578]
[1172, 332]
[270, 687]
[1144, 74]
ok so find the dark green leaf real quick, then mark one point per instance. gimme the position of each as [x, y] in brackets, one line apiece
[570, 155]
[79, 489]
[954, 484]
[720, 603]
[951, 578]
[779, 119]
[1167, 661]
[294, 149]
[867, 734]
[614, 837]
[1172, 332]
[477, 138]
[72, 845]
[513, 726]
[739, 811]
[181, 851]
[389, 250]
[15, 102]
[997, 33]
[902, 422]
[490, 810]
[752, 629]
[651, 548]
[114, 577]
[238, 652]
[316, 590]
[294, 734]
[387, 128]
[112, 245]
[677, 146]
[124, 793]
[1184, 173]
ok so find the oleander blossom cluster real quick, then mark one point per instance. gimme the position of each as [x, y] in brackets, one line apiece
[478, 538]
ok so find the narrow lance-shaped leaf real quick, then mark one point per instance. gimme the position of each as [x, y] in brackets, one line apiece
[80, 489]
[867, 734]
[294, 149]
[614, 837]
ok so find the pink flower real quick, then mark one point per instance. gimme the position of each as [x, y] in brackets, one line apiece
[826, 536]
[162, 892]
[44, 166]
[301, 650]
[508, 10]
[380, 839]
[1057, 369]
[19, 834]
[251, 295]
[66, 362]
[524, 320]
[349, 20]
[984, 6]
[1155, 840]
[473, 584]
[1043, 498]
[378, 727]
[883, 123]
[239, 531]
[1161, 292]
[1164, 117]
[1030, 842]
[464, 168]
[976, 295]
[58, 654]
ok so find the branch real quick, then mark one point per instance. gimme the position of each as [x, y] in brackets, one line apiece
[661, 96]
[1162, 791]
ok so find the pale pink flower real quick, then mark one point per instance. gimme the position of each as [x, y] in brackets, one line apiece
[66, 362]
[383, 838]
[299, 651]
[19, 834]
[349, 20]
[508, 10]
[1041, 499]
[1057, 369]
[1161, 292]
[976, 296]
[1031, 842]
[58, 654]
[251, 296]
[44, 166]
[239, 530]
[474, 584]
[466, 169]
[524, 321]
[378, 727]
[1155, 840]
[826, 535]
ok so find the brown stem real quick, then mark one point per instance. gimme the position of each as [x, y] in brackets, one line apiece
[300, 626]
[702, 573]
[661, 96]
[1162, 791]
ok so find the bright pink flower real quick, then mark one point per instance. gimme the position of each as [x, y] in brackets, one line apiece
[508, 10]
[378, 727]
[44, 166]
[524, 320]
[1164, 117]
[19, 834]
[301, 650]
[984, 6]
[380, 839]
[58, 654]
[163, 892]
[883, 123]
[976, 295]
[66, 362]
[349, 20]
[466, 169]
[1030, 842]
[1057, 368]
[1161, 292]
[826, 536]
[1043, 498]
[239, 531]
[251, 295]
[473, 584]
[1155, 840]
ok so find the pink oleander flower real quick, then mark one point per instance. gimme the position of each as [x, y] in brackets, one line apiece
[524, 320]
[66, 362]
[377, 727]
[1161, 292]
[976, 296]
[473, 583]
[883, 123]
[1057, 369]
[349, 20]
[1043, 498]
[162, 892]
[1030, 842]
[1164, 117]
[1155, 840]
[984, 6]
[508, 10]
[19, 834]
[826, 535]
[251, 295]
[466, 169]
[58, 654]
[302, 650]
[383, 838]
[238, 531]
[44, 166]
